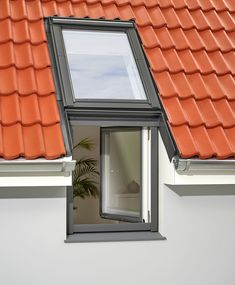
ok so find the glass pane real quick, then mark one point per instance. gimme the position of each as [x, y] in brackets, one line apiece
[102, 65]
[121, 172]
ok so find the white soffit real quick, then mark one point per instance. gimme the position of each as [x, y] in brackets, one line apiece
[39, 172]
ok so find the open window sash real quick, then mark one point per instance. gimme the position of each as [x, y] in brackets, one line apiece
[125, 174]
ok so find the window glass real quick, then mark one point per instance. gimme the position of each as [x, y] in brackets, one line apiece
[102, 65]
[121, 172]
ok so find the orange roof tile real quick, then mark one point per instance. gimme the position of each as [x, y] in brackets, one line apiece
[191, 49]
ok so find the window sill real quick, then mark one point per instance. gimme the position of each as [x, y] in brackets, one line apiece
[113, 236]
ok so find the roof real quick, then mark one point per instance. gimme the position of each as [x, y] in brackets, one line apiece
[190, 47]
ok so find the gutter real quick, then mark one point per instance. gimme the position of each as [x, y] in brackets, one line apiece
[186, 165]
[20, 165]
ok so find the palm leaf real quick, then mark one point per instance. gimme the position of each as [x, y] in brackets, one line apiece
[85, 173]
[86, 143]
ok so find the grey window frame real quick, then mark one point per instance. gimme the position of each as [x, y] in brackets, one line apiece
[114, 113]
[55, 25]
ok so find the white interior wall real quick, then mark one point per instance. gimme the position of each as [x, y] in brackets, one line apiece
[200, 245]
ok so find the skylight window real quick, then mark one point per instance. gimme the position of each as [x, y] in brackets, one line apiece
[102, 66]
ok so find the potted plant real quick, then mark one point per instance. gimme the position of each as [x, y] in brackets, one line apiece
[85, 173]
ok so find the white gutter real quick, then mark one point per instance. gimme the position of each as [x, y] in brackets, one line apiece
[61, 165]
[186, 165]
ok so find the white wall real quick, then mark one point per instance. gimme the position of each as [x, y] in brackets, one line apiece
[199, 249]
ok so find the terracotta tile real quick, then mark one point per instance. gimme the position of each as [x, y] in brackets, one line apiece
[111, 12]
[126, 13]
[191, 112]
[194, 40]
[214, 21]
[49, 8]
[227, 21]
[34, 10]
[224, 113]
[41, 57]
[185, 141]
[157, 18]
[165, 84]
[179, 4]
[172, 60]
[20, 31]
[80, 10]
[7, 50]
[34, 145]
[219, 64]
[26, 81]
[214, 87]
[23, 55]
[182, 85]
[230, 5]
[224, 41]
[188, 61]
[18, 10]
[198, 86]
[200, 20]
[230, 134]
[12, 141]
[165, 3]
[8, 82]
[185, 19]
[96, 11]
[27, 103]
[65, 9]
[174, 111]
[44, 80]
[219, 5]
[231, 36]
[51, 135]
[6, 30]
[142, 16]
[37, 32]
[228, 86]
[179, 39]
[148, 36]
[163, 38]
[203, 62]
[4, 9]
[220, 142]
[229, 60]
[171, 18]
[209, 40]
[1, 142]
[10, 111]
[192, 5]
[208, 113]
[206, 5]
[202, 142]
[48, 110]
[107, 2]
[189, 45]
[123, 2]
[156, 59]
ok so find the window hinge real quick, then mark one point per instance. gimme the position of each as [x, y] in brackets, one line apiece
[148, 134]
[149, 217]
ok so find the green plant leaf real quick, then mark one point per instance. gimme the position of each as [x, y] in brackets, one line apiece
[86, 143]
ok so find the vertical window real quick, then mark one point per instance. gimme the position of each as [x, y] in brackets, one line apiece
[111, 114]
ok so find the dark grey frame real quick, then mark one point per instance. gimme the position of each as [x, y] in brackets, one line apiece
[84, 232]
[55, 25]
[112, 113]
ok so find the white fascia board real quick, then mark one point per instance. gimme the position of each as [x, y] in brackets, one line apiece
[38, 172]
[196, 172]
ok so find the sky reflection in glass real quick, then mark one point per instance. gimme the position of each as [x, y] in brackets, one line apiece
[102, 66]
